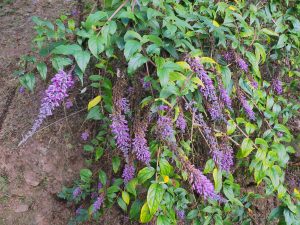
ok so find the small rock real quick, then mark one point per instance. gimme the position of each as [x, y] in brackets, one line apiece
[32, 178]
[21, 208]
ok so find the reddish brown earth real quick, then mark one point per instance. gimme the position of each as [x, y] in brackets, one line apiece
[33, 174]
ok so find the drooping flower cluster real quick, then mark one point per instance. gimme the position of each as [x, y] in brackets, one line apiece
[56, 92]
[164, 128]
[120, 129]
[97, 204]
[225, 96]
[242, 64]
[140, 145]
[69, 104]
[201, 185]
[227, 156]
[181, 123]
[249, 111]
[207, 89]
[229, 55]
[277, 86]
[209, 136]
[128, 173]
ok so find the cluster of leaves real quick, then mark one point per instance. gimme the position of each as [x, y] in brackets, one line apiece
[152, 38]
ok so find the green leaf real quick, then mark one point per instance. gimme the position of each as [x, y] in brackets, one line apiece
[131, 47]
[94, 114]
[154, 196]
[88, 148]
[122, 204]
[82, 58]
[217, 174]
[66, 49]
[192, 214]
[85, 175]
[135, 62]
[60, 62]
[99, 153]
[28, 81]
[125, 197]
[131, 186]
[135, 209]
[145, 216]
[102, 177]
[94, 18]
[145, 174]
[282, 41]
[116, 162]
[95, 45]
[162, 220]
[165, 167]
[42, 68]
[209, 166]
[246, 148]
[231, 126]
[269, 32]
[260, 52]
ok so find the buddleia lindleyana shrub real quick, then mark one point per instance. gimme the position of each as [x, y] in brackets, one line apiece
[186, 97]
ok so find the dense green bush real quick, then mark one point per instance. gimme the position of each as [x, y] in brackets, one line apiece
[185, 94]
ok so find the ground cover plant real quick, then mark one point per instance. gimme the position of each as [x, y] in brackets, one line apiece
[183, 97]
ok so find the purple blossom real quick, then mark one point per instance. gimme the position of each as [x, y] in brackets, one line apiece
[180, 214]
[242, 64]
[99, 186]
[146, 84]
[128, 173]
[164, 128]
[254, 84]
[76, 192]
[163, 108]
[229, 56]
[246, 107]
[69, 104]
[202, 186]
[207, 89]
[56, 92]
[123, 104]
[97, 204]
[224, 158]
[21, 89]
[277, 86]
[225, 96]
[208, 134]
[120, 130]
[140, 145]
[181, 123]
[94, 195]
[85, 135]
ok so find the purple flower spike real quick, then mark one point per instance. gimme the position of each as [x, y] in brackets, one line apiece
[202, 186]
[120, 129]
[164, 128]
[123, 104]
[208, 89]
[277, 86]
[128, 173]
[254, 84]
[181, 123]
[56, 92]
[140, 145]
[247, 107]
[225, 96]
[242, 64]
[85, 135]
[97, 204]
